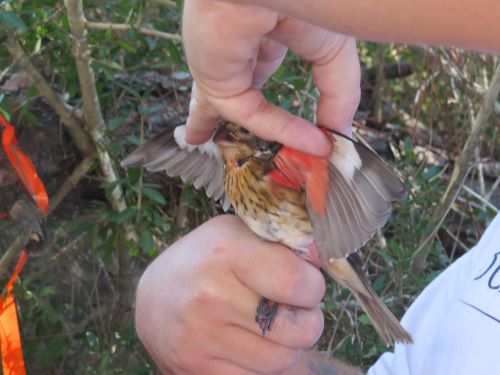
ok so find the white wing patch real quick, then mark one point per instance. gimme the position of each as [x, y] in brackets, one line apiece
[345, 158]
[200, 164]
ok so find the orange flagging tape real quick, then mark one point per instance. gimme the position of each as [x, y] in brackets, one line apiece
[10, 338]
[24, 167]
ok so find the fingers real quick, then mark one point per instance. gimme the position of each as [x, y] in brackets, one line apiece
[271, 122]
[338, 78]
[293, 327]
[251, 110]
[273, 271]
[219, 366]
[271, 55]
[259, 354]
[202, 119]
[196, 303]
[336, 69]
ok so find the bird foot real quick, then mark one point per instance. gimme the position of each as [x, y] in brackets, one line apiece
[266, 311]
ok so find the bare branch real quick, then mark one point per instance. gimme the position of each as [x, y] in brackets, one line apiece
[472, 89]
[166, 3]
[92, 108]
[126, 27]
[378, 88]
[13, 251]
[70, 121]
[462, 167]
[480, 198]
[78, 173]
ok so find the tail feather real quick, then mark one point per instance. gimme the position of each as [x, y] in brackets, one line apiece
[348, 273]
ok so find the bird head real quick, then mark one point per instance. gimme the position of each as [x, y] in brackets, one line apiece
[240, 148]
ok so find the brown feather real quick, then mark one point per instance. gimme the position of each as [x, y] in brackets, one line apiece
[349, 273]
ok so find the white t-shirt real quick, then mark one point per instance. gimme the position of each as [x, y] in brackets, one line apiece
[455, 322]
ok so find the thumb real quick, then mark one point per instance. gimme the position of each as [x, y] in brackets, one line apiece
[202, 119]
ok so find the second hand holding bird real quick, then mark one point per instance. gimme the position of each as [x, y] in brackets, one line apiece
[334, 203]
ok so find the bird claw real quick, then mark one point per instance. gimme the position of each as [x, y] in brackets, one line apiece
[266, 311]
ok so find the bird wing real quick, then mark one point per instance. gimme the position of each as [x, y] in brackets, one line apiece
[358, 200]
[169, 152]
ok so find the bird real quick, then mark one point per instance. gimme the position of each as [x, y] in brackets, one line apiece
[329, 206]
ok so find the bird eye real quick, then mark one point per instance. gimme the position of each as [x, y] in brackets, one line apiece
[244, 131]
[240, 162]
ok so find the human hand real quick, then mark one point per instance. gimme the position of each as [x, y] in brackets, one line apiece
[196, 303]
[232, 49]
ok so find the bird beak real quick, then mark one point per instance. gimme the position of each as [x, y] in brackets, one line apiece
[223, 137]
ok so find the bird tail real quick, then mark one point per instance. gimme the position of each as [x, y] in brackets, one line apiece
[349, 273]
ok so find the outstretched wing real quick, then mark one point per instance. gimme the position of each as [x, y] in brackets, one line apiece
[169, 152]
[358, 202]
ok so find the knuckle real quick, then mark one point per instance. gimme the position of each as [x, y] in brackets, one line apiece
[207, 296]
[288, 281]
[355, 97]
[313, 328]
[320, 289]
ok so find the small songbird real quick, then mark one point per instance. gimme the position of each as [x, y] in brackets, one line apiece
[328, 206]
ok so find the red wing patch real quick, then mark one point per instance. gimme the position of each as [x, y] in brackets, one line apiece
[298, 170]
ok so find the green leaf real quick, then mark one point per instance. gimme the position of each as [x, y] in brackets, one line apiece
[363, 319]
[146, 241]
[116, 122]
[92, 341]
[126, 46]
[175, 52]
[154, 195]
[12, 21]
[5, 114]
[121, 217]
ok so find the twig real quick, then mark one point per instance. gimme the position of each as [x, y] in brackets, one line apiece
[126, 27]
[92, 108]
[69, 120]
[80, 171]
[457, 241]
[480, 198]
[13, 251]
[167, 3]
[472, 89]
[493, 188]
[378, 88]
[4, 72]
[462, 167]
[23, 239]
[182, 211]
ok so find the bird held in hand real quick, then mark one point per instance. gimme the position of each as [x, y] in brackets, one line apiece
[321, 207]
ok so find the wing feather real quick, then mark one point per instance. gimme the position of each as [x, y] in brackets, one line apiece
[169, 152]
[361, 190]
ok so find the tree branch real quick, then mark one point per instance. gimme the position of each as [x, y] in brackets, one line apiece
[78, 173]
[166, 3]
[12, 252]
[92, 108]
[70, 121]
[126, 27]
[462, 166]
